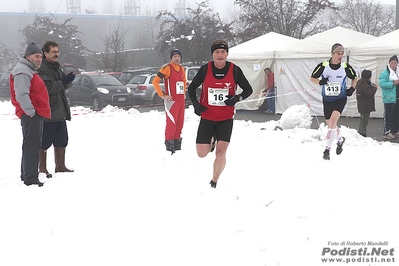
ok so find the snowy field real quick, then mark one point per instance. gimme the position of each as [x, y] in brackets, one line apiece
[130, 202]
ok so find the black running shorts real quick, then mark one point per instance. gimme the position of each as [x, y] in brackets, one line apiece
[330, 107]
[207, 128]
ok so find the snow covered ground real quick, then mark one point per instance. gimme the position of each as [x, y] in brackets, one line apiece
[129, 202]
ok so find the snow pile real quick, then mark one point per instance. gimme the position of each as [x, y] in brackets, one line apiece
[297, 116]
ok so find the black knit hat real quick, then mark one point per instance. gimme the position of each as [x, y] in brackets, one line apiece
[173, 52]
[394, 57]
[366, 74]
[32, 49]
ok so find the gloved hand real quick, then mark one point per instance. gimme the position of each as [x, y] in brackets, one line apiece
[68, 78]
[323, 81]
[199, 108]
[350, 91]
[232, 100]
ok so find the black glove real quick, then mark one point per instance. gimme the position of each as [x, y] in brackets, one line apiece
[232, 100]
[350, 91]
[199, 108]
[323, 81]
[68, 78]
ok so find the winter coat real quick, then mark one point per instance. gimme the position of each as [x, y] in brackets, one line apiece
[27, 90]
[387, 86]
[365, 96]
[52, 74]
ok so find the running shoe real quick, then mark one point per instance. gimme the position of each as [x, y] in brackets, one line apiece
[339, 146]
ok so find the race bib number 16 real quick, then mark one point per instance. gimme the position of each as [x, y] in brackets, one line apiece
[216, 97]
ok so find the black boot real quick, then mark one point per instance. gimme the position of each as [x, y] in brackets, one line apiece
[33, 181]
[178, 144]
[170, 145]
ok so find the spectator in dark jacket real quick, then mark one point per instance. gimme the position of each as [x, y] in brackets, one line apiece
[55, 130]
[365, 91]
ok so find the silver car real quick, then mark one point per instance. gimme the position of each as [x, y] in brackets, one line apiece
[142, 89]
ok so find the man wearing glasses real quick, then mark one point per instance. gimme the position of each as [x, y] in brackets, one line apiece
[55, 129]
[334, 91]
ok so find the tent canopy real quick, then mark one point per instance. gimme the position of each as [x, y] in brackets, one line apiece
[252, 57]
[262, 47]
[319, 45]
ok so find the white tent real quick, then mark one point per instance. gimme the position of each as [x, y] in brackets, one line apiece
[374, 55]
[295, 63]
[252, 57]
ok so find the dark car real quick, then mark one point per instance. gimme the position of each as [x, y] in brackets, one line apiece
[5, 84]
[142, 89]
[127, 75]
[98, 90]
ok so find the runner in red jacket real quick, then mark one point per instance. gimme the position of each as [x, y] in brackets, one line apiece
[174, 97]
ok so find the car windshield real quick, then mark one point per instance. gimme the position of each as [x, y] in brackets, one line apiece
[126, 76]
[105, 80]
[191, 73]
[138, 80]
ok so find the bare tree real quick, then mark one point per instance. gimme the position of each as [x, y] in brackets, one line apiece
[192, 34]
[114, 57]
[364, 16]
[8, 59]
[147, 38]
[288, 17]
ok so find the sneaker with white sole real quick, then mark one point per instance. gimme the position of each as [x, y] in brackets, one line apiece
[339, 146]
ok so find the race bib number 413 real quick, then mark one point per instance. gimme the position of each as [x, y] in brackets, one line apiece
[332, 88]
[216, 97]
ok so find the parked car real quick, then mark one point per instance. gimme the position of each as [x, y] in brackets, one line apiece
[190, 74]
[98, 90]
[5, 84]
[142, 89]
[127, 75]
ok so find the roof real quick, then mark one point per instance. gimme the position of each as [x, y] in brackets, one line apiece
[319, 45]
[384, 45]
[262, 47]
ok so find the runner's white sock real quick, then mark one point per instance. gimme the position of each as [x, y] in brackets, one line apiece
[331, 134]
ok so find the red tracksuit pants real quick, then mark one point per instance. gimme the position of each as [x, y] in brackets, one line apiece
[174, 111]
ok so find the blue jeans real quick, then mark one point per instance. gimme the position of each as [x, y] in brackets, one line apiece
[270, 100]
[391, 118]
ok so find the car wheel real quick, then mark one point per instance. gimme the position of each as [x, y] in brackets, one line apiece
[96, 104]
[156, 99]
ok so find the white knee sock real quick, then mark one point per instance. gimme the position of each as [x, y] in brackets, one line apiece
[331, 135]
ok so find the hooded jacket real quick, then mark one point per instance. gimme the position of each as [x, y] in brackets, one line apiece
[27, 91]
[387, 86]
[365, 96]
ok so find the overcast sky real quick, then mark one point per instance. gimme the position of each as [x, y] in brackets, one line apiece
[100, 6]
